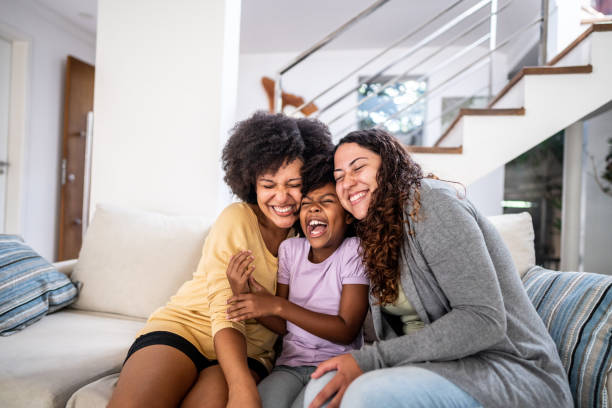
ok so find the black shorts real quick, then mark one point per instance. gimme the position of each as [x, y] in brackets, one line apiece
[179, 343]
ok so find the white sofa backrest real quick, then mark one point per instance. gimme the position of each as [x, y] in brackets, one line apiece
[517, 232]
[133, 261]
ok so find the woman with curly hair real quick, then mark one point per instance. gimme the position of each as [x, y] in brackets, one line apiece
[453, 323]
[189, 353]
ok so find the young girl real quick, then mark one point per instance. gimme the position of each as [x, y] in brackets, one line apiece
[322, 292]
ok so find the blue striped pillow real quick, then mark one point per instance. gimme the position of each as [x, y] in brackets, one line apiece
[575, 307]
[30, 287]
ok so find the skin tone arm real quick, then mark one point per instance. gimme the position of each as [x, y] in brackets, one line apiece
[230, 347]
[341, 328]
[239, 271]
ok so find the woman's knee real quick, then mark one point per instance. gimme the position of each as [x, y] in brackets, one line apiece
[315, 385]
[413, 387]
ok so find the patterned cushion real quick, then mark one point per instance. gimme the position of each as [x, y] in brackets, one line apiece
[30, 287]
[575, 307]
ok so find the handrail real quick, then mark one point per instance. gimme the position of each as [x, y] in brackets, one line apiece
[411, 51]
[278, 90]
[405, 73]
[469, 66]
[390, 47]
[321, 43]
[460, 54]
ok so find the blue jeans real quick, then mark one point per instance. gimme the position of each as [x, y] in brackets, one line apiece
[398, 387]
[284, 387]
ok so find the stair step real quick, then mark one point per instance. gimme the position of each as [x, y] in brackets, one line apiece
[593, 28]
[577, 69]
[479, 112]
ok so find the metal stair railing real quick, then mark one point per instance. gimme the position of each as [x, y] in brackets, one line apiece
[412, 51]
[438, 68]
[478, 63]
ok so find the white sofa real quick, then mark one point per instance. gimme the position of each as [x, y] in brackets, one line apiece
[130, 264]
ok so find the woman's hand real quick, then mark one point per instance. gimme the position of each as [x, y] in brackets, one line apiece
[238, 271]
[348, 370]
[260, 303]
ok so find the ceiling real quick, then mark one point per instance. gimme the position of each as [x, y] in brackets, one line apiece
[294, 25]
[81, 13]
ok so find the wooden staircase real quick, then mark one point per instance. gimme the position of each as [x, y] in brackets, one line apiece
[537, 103]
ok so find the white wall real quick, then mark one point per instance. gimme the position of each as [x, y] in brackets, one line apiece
[164, 100]
[487, 193]
[597, 212]
[51, 39]
[5, 82]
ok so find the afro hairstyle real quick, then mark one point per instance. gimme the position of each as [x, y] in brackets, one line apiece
[261, 143]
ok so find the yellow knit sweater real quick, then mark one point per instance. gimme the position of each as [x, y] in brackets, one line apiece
[198, 310]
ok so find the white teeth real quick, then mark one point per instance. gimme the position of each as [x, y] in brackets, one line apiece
[283, 209]
[357, 196]
[316, 222]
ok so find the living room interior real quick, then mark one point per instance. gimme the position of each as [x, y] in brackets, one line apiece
[254, 42]
[170, 82]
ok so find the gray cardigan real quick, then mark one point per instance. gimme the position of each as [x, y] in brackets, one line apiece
[481, 331]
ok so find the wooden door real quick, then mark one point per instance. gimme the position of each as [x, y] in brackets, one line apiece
[78, 101]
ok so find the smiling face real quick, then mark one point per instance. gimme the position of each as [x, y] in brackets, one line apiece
[323, 221]
[355, 170]
[279, 194]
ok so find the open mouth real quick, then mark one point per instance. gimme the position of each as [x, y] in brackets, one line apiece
[284, 211]
[316, 228]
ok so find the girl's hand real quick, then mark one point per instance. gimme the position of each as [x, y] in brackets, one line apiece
[239, 270]
[348, 371]
[253, 305]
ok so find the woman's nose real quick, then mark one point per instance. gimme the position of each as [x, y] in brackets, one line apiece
[348, 180]
[281, 195]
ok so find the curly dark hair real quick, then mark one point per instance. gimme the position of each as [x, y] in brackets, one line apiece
[264, 142]
[317, 140]
[261, 143]
[382, 230]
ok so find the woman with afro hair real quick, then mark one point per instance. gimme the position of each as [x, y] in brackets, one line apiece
[189, 353]
[453, 323]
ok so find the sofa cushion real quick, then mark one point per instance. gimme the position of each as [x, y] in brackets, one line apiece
[94, 395]
[576, 309]
[517, 232]
[45, 364]
[132, 261]
[30, 287]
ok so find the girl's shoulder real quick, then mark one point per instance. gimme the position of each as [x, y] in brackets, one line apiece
[348, 250]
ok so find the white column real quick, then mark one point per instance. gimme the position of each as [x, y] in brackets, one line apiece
[165, 82]
[572, 193]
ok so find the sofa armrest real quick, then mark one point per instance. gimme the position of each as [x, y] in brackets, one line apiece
[65, 267]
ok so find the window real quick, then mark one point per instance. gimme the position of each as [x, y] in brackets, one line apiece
[406, 94]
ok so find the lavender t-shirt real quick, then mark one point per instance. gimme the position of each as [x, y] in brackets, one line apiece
[316, 287]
